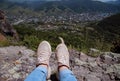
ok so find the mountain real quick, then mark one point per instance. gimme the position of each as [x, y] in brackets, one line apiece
[110, 27]
[111, 24]
[113, 20]
[65, 5]
[117, 2]
[81, 6]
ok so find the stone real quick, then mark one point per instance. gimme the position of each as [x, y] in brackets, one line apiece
[94, 52]
[104, 66]
[112, 76]
[106, 58]
[16, 76]
[92, 78]
[93, 64]
[97, 74]
[105, 77]
[79, 62]
[17, 63]
[83, 57]
[117, 70]
[5, 76]
[118, 75]
[11, 71]
[96, 69]
[109, 69]
[91, 59]
[117, 66]
[27, 52]
[81, 72]
[3, 51]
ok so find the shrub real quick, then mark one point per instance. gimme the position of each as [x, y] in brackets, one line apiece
[31, 42]
[81, 39]
[4, 43]
[116, 46]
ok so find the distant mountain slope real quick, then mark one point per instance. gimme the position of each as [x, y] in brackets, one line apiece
[70, 5]
[80, 6]
[117, 2]
[110, 27]
[113, 20]
[17, 9]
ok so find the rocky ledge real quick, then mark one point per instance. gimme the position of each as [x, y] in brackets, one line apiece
[16, 62]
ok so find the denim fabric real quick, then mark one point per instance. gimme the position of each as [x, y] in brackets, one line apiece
[67, 75]
[40, 74]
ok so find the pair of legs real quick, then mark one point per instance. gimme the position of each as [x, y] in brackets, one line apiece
[43, 71]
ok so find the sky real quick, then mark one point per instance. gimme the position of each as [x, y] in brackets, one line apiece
[56, 0]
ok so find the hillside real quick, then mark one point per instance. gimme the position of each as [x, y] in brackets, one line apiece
[113, 20]
[80, 6]
[110, 27]
[117, 2]
[63, 5]
[17, 9]
[87, 27]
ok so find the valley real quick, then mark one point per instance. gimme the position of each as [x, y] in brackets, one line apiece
[90, 29]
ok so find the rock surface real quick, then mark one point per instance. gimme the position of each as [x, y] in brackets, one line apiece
[16, 62]
[6, 27]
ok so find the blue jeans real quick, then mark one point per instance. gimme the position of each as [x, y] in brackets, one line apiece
[40, 74]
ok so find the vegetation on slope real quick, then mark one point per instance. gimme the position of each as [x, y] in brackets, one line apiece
[78, 37]
[99, 35]
[110, 29]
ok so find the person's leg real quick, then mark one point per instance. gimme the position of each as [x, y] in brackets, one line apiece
[66, 75]
[42, 72]
[39, 74]
[63, 63]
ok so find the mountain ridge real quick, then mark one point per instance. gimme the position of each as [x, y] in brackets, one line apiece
[77, 6]
[117, 2]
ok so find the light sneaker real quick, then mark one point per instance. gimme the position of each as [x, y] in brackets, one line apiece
[62, 54]
[43, 54]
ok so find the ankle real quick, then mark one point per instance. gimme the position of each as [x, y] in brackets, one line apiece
[63, 68]
[43, 66]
